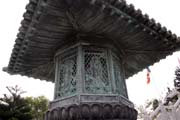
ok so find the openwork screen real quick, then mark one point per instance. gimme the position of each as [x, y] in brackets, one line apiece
[67, 70]
[119, 80]
[96, 71]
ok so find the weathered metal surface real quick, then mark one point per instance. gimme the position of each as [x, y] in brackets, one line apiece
[97, 79]
[49, 25]
[89, 74]
[90, 98]
[93, 111]
[67, 75]
[85, 68]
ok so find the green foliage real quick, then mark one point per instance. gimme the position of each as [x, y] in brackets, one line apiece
[14, 107]
[39, 106]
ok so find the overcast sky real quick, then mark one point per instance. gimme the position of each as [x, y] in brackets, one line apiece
[164, 11]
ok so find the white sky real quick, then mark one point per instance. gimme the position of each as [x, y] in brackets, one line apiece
[162, 74]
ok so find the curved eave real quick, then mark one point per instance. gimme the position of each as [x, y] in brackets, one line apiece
[47, 25]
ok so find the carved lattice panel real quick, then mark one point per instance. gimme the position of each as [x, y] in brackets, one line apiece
[118, 76]
[67, 72]
[96, 71]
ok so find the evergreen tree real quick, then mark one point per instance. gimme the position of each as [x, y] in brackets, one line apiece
[14, 107]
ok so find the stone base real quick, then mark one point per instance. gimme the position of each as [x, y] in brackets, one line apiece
[95, 111]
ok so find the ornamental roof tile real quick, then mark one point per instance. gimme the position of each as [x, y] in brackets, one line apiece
[47, 25]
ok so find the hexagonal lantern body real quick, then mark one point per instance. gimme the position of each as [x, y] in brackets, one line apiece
[89, 69]
[88, 74]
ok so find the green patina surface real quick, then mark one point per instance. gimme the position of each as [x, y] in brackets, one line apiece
[100, 74]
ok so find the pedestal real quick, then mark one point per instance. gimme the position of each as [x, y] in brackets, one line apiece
[92, 111]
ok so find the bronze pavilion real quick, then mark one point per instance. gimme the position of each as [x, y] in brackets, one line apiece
[88, 48]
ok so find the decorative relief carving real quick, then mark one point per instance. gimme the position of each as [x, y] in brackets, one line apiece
[119, 80]
[96, 72]
[88, 70]
[96, 111]
[67, 76]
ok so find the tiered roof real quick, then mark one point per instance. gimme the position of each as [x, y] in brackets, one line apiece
[50, 24]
